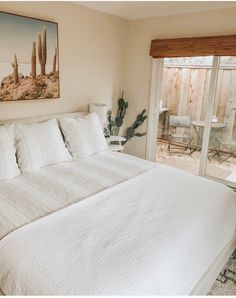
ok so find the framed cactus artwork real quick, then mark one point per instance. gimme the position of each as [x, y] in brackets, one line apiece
[29, 60]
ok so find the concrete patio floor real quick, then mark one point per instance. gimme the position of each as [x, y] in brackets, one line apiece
[225, 170]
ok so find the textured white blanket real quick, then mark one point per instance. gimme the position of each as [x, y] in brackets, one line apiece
[31, 196]
[156, 233]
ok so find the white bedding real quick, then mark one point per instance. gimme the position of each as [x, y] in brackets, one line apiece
[156, 233]
[31, 196]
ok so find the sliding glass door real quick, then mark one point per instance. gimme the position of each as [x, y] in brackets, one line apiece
[222, 140]
[185, 89]
[196, 116]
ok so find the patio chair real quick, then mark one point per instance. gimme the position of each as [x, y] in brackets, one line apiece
[178, 138]
[227, 149]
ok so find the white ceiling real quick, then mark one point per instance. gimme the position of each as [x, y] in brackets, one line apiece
[132, 10]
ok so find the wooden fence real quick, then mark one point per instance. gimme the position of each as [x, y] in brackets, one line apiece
[185, 92]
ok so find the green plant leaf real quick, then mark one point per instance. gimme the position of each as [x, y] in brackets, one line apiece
[119, 121]
[140, 134]
[137, 124]
[121, 102]
[130, 131]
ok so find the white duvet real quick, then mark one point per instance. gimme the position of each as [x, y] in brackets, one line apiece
[156, 233]
[32, 196]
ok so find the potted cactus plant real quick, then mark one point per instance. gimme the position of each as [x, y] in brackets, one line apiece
[115, 123]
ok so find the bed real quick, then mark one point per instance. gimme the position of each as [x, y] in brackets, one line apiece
[113, 224]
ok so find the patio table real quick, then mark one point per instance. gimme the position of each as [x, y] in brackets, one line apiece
[216, 126]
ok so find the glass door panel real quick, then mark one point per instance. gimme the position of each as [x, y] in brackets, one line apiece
[221, 161]
[184, 96]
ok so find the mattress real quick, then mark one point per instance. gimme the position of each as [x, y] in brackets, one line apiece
[155, 231]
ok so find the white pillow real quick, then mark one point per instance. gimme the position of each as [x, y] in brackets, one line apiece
[8, 165]
[84, 135]
[39, 145]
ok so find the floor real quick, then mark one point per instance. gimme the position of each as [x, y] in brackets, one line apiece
[225, 283]
[226, 170]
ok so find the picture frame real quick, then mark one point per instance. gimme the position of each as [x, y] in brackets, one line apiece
[29, 58]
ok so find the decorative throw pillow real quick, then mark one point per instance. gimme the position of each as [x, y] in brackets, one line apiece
[8, 165]
[39, 145]
[84, 135]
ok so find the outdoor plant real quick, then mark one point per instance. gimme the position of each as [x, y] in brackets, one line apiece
[115, 123]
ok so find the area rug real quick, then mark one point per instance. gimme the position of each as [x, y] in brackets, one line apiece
[225, 283]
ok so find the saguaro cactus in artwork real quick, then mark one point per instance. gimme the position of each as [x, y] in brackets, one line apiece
[55, 61]
[42, 50]
[15, 70]
[33, 61]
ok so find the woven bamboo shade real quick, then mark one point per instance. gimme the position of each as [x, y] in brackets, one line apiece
[194, 46]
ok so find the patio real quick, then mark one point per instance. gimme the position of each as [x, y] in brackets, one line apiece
[225, 170]
[185, 90]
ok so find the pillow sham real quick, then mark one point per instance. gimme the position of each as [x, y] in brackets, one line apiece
[83, 136]
[39, 145]
[8, 166]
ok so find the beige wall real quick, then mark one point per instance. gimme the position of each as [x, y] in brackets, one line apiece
[138, 62]
[91, 49]
[100, 55]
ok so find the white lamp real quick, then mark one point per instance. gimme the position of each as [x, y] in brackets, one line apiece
[101, 110]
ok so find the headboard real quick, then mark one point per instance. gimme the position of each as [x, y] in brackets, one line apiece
[43, 118]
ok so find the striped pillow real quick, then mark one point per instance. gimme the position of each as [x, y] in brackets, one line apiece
[8, 165]
[39, 145]
[84, 135]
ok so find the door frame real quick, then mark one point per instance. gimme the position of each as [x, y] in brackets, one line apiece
[209, 113]
[154, 109]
